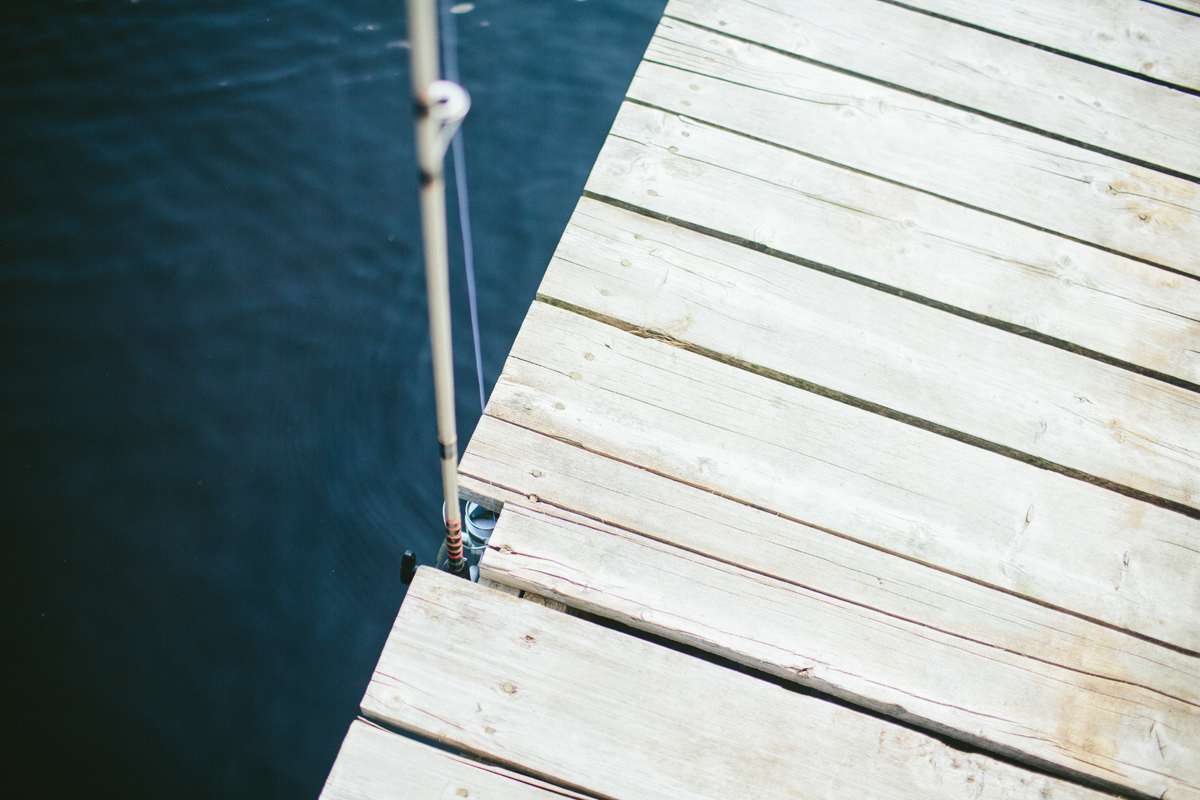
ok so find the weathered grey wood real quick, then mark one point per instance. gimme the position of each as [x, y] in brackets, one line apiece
[620, 717]
[1138, 37]
[922, 143]
[909, 240]
[374, 764]
[900, 488]
[991, 74]
[531, 470]
[996, 698]
[972, 378]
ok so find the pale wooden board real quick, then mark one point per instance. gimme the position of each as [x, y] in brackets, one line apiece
[998, 699]
[972, 378]
[966, 510]
[619, 717]
[557, 479]
[1050, 92]
[921, 143]
[909, 240]
[1139, 37]
[374, 764]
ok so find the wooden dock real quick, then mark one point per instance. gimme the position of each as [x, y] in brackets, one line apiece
[856, 429]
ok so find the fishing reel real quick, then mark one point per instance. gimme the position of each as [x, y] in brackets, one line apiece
[478, 524]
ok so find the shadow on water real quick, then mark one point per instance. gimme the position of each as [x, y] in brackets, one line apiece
[216, 436]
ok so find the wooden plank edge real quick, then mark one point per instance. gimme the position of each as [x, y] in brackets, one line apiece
[1060, 48]
[374, 763]
[1191, 7]
[1115, 227]
[552, 704]
[1096, 138]
[497, 583]
[585, 486]
[1005, 325]
[544, 569]
[881, 410]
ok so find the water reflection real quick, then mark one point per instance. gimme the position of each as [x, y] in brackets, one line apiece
[217, 430]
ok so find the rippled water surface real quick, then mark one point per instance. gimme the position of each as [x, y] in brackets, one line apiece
[216, 414]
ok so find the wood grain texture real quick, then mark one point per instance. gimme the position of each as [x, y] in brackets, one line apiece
[553, 478]
[906, 490]
[975, 379]
[589, 707]
[994, 698]
[923, 245]
[1138, 37]
[374, 764]
[921, 143]
[1050, 92]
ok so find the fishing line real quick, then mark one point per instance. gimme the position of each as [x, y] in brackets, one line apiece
[459, 158]
[449, 36]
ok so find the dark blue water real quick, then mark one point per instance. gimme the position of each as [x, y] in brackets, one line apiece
[216, 414]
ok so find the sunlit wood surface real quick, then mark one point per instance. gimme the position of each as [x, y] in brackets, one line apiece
[858, 415]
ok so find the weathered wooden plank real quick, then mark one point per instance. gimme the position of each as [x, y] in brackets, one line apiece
[1138, 37]
[374, 764]
[906, 490]
[991, 74]
[592, 708]
[921, 143]
[995, 698]
[975, 379]
[558, 479]
[909, 240]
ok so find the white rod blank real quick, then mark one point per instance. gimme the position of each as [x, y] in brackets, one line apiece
[438, 109]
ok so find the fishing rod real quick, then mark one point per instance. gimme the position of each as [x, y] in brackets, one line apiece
[440, 106]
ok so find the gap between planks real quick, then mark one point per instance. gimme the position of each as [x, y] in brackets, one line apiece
[1140, 39]
[902, 489]
[1184, 6]
[590, 708]
[586, 488]
[491, 582]
[1048, 713]
[899, 240]
[904, 360]
[921, 144]
[376, 764]
[1082, 104]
